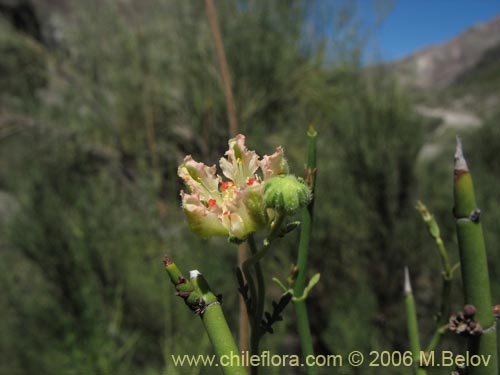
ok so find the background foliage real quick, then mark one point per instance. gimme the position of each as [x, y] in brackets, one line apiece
[98, 109]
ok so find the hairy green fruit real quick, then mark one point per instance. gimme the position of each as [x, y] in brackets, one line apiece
[286, 194]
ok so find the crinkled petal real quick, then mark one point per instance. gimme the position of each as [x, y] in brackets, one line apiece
[241, 163]
[238, 227]
[199, 178]
[204, 221]
[274, 165]
[237, 219]
[227, 168]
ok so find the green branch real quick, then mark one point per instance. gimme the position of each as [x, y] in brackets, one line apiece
[305, 239]
[474, 265]
[200, 299]
[256, 298]
[447, 273]
[261, 287]
[411, 319]
[258, 294]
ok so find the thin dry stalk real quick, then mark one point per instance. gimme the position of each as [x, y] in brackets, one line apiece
[233, 130]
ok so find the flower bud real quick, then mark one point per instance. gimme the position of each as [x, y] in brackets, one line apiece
[286, 194]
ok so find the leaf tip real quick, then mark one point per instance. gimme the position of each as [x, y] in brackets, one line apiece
[407, 281]
[460, 163]
[194, 274]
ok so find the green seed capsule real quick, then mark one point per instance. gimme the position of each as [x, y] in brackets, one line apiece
[286, 194]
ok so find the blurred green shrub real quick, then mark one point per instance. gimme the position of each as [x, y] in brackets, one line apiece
[22, 66]
[128, 90]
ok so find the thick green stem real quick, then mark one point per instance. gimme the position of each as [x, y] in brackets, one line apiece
[474, 264]
[411, 319]
[305, 239]
[199, 298]
[221, 337]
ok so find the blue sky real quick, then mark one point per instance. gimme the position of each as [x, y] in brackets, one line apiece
[414, 24]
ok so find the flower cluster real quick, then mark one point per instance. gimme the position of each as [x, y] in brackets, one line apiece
[463, 322]
[232, 205]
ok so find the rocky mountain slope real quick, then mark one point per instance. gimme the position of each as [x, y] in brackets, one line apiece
[457, 83]
[439, 66]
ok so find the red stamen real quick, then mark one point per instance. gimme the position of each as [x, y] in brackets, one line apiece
[212, 202]
[251, 181]
[226, 185]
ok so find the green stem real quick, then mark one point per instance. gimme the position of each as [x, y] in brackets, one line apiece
[447, 274]
[258, 310]
[445, 260]
[442, 323]
[474, 264]
[411, 319]
[436, 338]
[261, 287]
[258, 296]
[275, 226]
[444, 313]
[254, 324]
[221, 337]
[199, 298]
[446, 291]
[253, 291]
[303, 253]
[307, 217]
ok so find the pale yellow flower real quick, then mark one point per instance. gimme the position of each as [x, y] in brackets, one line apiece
[233, 205]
